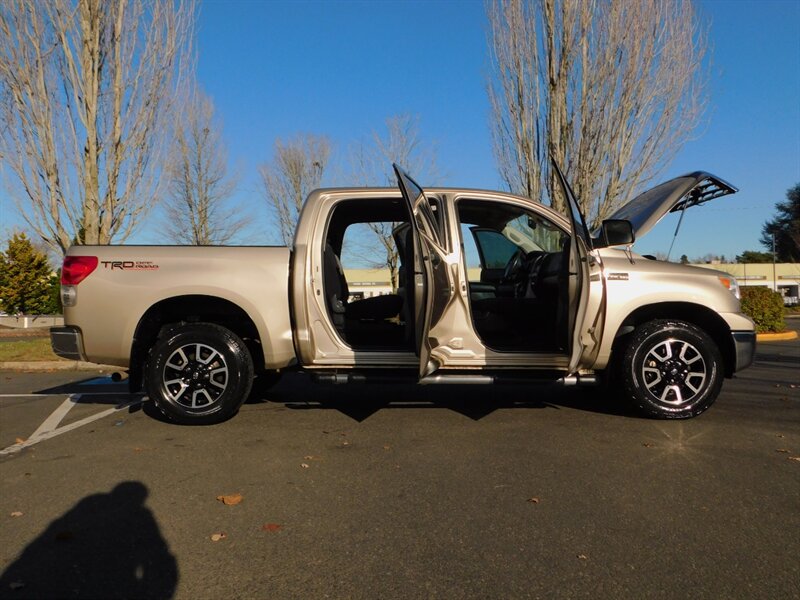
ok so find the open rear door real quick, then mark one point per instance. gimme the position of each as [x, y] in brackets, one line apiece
[585, 286]
[432, 289]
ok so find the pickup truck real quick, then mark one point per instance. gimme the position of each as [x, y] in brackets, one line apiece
[551, 301]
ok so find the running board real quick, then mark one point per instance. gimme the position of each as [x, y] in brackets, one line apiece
[528, 378]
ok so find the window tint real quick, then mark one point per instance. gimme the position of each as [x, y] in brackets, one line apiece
[496, 249]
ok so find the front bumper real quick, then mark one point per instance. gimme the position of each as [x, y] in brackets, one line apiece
[744, 346]
[67, 342]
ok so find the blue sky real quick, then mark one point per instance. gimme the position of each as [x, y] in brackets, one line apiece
[340, 68]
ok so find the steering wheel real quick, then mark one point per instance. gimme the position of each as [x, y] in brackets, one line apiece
[513, 267]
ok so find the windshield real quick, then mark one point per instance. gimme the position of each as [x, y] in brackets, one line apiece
[532, 232]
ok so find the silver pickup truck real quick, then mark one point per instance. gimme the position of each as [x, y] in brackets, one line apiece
[195, 326]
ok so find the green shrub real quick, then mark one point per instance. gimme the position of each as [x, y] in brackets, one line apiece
[765, 307]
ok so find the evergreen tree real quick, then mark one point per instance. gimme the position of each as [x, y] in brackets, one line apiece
[25, 278]
[785, 227]
[754, 256]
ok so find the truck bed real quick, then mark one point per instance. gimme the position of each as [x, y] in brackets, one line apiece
[132, 282]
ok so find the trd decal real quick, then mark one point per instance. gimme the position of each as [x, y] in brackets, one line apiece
[129, 265]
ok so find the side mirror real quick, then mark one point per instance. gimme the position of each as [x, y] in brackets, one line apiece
[615, 232]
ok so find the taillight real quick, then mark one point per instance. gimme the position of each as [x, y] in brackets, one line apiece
[77, 268]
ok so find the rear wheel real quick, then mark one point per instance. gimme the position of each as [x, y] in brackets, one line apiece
[199, 373]
[671, 370]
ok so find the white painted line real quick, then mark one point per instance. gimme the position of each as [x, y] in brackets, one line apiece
[41, 435]
[28, 395]
[62, 393]
[51, 422]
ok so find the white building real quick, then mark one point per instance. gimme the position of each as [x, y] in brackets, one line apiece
[781, 277]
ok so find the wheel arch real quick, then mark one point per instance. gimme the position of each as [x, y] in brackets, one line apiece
[696, 314]
[192, 308]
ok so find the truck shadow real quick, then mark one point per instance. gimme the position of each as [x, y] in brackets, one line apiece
[360, 401]
[296, 391]
[95, 390]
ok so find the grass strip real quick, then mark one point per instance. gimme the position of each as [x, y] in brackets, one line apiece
[27, 350]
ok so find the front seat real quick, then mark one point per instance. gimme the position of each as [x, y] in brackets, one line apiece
[376, 308]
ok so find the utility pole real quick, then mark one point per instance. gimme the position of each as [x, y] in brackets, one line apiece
[774, 277]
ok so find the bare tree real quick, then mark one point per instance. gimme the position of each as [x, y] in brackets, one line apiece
[609, 88]
[400, 143]
[86, 91]
[296, 169]
[198, 183]
[372, 163]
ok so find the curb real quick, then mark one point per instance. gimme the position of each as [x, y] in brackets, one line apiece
[56, 365]
[783, 336]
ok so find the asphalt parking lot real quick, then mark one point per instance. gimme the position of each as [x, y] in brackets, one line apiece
[401, 492]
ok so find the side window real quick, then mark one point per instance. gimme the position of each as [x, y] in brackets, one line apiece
[492, 231]
[439, 217]
[495, 249]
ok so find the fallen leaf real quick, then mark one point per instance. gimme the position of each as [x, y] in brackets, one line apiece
[783, 450]
[797, 458]
[19, 441]
[230, 499]
[215, 537]
[270, 527]
[303, 466]
[583, 557]
[16, 585]
[533, 500]
[648, 445]
[16, 513]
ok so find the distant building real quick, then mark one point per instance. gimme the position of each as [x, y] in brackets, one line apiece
[365, 283]
[784, 279]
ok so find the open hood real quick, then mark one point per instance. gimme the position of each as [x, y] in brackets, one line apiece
[683, 192]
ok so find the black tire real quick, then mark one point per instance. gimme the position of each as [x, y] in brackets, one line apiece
[670, 370]
[199, 374]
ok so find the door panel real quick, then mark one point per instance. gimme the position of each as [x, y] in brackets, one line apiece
[584, 285]
[433, 287]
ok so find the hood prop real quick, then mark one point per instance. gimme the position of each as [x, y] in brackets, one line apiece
[695, 198]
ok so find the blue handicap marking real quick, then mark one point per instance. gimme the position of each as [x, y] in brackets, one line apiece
[99, 381]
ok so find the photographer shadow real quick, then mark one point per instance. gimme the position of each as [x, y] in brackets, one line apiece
[106, 546]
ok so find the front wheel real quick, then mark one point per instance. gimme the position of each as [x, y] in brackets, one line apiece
[671, 370]
[199, 373]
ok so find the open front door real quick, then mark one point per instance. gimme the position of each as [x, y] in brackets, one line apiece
[585, 286]
[432, 289]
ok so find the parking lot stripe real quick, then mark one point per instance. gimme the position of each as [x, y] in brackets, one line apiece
[51, 422]
[49, 429]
